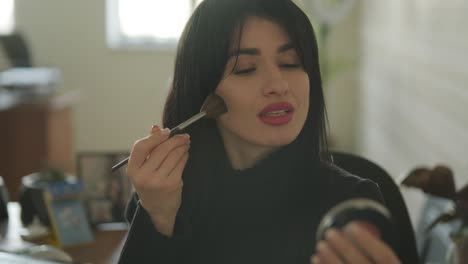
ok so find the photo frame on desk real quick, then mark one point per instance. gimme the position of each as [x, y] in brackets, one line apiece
[68, 220]
[106, 193]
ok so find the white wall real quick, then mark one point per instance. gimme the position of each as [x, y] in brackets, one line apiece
[122, 92]
[415, 86]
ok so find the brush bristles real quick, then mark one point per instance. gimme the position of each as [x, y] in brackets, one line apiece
[213, 106]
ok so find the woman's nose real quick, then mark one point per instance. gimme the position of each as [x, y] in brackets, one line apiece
[275, 83]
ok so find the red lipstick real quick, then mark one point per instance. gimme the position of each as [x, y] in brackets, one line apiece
[277, 114]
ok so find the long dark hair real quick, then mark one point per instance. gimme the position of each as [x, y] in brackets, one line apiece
[203, 53]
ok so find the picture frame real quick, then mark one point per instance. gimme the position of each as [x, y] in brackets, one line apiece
[106, 193]
[69, 221]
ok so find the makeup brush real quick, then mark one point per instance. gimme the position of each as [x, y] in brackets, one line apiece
[212, 107]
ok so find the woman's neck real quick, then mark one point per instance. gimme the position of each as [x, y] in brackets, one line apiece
[242, 154]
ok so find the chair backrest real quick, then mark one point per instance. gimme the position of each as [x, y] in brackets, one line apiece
[16, 49]
[364, 168]
[4, 199]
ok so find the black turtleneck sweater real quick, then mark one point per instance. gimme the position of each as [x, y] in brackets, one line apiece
[265, 214]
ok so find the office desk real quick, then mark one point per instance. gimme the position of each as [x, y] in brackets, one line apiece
[105, 248]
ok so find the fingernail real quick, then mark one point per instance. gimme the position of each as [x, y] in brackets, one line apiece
[155, 129]
[349, 228]
[187, 136]
[330, 233]
[165, 131]
[320, 246]
[361, 226]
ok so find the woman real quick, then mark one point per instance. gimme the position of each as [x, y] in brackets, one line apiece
[250, 186]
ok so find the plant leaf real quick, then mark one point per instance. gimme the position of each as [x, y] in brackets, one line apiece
[442, 182]
[438, 182]
[418, 178]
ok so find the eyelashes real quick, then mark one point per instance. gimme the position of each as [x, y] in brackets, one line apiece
[291, 65]
[246, 71]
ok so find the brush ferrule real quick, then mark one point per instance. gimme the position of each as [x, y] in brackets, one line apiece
[191, 120]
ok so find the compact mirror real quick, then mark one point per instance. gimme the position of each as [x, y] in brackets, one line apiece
[372, 214]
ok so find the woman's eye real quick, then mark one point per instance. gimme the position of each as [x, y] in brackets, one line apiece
[244, 71]
[290, 65]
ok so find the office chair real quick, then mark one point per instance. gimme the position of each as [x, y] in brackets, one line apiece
[364, 168]
[16, 49]
[3, 201]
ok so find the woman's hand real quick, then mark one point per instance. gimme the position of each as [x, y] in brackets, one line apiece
[355, 244]
[155, 169]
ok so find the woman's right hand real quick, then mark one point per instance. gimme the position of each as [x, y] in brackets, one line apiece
[155, 169]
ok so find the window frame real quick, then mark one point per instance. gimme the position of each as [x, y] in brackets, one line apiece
[13, 20]
[116, 40]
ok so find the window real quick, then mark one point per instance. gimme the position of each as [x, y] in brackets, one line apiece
[147, 23]
[6, 16]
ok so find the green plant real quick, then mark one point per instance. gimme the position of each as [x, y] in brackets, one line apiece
[325, 15]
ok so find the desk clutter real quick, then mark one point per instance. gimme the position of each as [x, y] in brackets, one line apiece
[12, 258]
[52, 215]
[54, 210]
[55, 200]
[20, 80]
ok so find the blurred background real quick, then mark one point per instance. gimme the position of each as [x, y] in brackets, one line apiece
[395, 78]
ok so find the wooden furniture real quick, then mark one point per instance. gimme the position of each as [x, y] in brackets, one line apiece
[33, 134]
[104, 249]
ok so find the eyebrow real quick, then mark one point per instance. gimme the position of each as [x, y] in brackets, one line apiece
[255, 51]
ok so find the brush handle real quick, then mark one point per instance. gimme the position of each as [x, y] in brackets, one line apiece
[176, 130]
[120, 164]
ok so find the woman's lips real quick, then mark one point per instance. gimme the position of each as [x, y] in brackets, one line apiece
[277, 113]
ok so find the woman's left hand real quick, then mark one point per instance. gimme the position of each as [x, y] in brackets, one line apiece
[354, 244]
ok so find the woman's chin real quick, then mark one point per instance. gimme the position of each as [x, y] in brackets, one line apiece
[279, 140]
